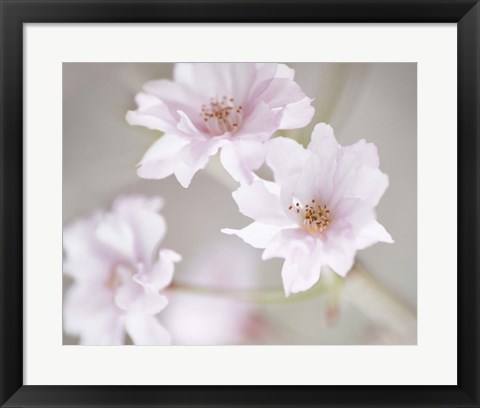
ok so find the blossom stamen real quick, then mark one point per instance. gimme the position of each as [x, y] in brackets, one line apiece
[222, 115]
[316, 217]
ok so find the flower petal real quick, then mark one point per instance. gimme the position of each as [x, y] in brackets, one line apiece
[261, 204]
[358, 175]
[198, 320]
[365, 183]
[340, 243]
[161, 274]
[323, 141]
[370, 186]
[363, 153]
[187, 126]
[184, 173]
[256, 234]
[145, 330]
[354, 213]
[340, 257]
[194, 157]
[281, 92]
[241, 157]
[267, 71]
[217, 79]
[371, 234]
[297, 115]
[153, 114]
[161, 158]
[285, 157]
[85, 258]
[175, 95]
[133, 295]
[259, 124]
[314, 182]
[288, 240]
[89, 313]
[300, 274]
[116, 235]
[183, 73]
[147, 225]
[198, 151]
[275, 87]
[303, 258]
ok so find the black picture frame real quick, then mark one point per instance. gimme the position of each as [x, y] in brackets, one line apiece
[14, 13]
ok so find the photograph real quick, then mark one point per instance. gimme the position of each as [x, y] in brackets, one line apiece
[239, 203]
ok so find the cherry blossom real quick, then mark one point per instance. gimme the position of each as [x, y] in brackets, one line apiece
[232, 107]
[212, 313]
[319, 211]
[118, 273]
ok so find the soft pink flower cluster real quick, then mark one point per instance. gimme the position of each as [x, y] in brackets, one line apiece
[234, 108]
[119, 273]
[318, 211]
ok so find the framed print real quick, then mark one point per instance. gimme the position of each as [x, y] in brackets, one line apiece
[221, 203]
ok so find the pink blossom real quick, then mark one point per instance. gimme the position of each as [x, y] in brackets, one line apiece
[233, 107]
[319, 211]
[201, 320]
[213, 313]
[119, 273]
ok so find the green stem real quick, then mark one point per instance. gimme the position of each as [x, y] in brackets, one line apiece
[264, 296]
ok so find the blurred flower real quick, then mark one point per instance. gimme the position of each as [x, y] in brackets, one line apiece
[319, 211]
[232, 107]
[118, 273]
[199, 319]
[203, 308]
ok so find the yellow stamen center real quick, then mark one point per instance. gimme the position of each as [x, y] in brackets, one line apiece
[316, 217]
[222, 115]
